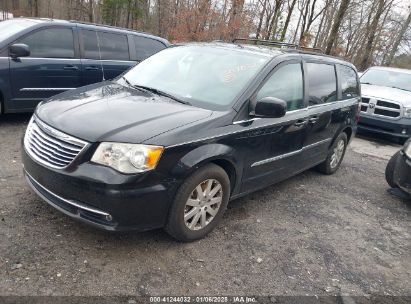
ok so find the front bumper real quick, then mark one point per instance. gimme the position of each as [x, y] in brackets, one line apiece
[402, 173]
[396, 128]
[102, 197]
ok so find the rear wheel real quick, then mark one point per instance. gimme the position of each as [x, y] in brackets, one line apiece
[335, 156]
[389, 170]
[199, 204]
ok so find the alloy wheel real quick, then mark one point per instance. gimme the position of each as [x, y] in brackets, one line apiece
[337, 154]
[203, 204]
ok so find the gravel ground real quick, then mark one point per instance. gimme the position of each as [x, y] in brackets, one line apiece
[310, 235]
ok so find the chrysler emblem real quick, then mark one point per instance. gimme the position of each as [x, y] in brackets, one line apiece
[371, 105]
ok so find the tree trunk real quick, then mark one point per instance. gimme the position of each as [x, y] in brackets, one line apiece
[334, 31]
[287, 20]
[236, 10]
[398, 40]
[90, 11]
[260, 22]
[366, 57]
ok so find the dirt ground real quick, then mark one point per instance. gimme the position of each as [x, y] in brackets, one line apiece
[310, 235]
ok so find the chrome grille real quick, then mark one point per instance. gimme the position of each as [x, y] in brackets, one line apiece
[50, 146]
[382, 108]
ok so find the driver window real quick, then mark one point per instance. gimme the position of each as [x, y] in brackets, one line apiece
[285, 83]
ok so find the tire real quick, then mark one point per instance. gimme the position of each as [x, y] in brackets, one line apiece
[389, 170]
[330, 165]
[191, 204]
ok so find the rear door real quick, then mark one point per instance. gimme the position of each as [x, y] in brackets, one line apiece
[52, 67]
[105, 55]
[323, 109]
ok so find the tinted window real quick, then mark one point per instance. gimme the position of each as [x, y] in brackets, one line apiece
[287, 84]
[90, 44]
[349, 85]
[51, 43]
[145, 47]
[322, 84]
[112, 46]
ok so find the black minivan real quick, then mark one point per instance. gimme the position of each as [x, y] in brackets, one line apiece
[40, 58]
[171, 141]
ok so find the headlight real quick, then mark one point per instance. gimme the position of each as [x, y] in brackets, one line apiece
[407, 112]
[407, 149]
[127, 158]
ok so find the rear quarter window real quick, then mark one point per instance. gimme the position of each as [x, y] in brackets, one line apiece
[145, 47]
[322, 83]
[350, 88]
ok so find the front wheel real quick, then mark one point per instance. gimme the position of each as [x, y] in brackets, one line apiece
[199, 204]
[335, 156]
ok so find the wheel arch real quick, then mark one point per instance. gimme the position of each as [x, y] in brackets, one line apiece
[218, 154]
[348, 130]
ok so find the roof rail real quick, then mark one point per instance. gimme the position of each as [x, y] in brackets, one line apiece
[108, 26]
[278, 44]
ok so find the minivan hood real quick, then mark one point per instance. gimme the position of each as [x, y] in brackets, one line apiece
[401, 96]
[112, 112]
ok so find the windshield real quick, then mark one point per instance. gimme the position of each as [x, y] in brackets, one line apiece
[386, 78]
[206, 77]
[10, 27]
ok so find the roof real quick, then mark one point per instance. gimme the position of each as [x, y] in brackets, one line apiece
[269, 51]
[382, 68]
[91, 25]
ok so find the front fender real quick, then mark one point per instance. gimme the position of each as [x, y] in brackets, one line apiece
[205, 154]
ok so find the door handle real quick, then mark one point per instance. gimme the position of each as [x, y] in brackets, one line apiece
[70, 67]
[92, 68]
[300, 122]
[313, 119]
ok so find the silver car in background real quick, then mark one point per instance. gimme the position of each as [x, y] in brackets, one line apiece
[386, 102]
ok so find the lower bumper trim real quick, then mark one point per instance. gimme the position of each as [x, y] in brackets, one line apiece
[72, 208]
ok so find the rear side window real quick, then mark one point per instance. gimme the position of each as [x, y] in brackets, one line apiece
[50, 43]
[322, 83]
[285, 83]
[349, 84]
[145, 47]
[90, 44]
[112, 46]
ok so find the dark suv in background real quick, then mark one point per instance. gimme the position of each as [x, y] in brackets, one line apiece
[40, 58]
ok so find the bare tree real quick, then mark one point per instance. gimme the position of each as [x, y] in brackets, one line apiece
[371, 35]
[334, 31]
[398, 40]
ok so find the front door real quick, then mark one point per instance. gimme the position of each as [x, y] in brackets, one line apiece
[274, 145]
[323, 108]
[51, 68]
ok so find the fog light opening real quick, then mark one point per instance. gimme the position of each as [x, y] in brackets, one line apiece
[109, 217]
[404, 131]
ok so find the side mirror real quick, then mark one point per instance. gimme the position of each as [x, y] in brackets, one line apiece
[19, 50]
[270, 107]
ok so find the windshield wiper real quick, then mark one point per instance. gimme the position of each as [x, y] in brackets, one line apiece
[399, 88]
[161, 93]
